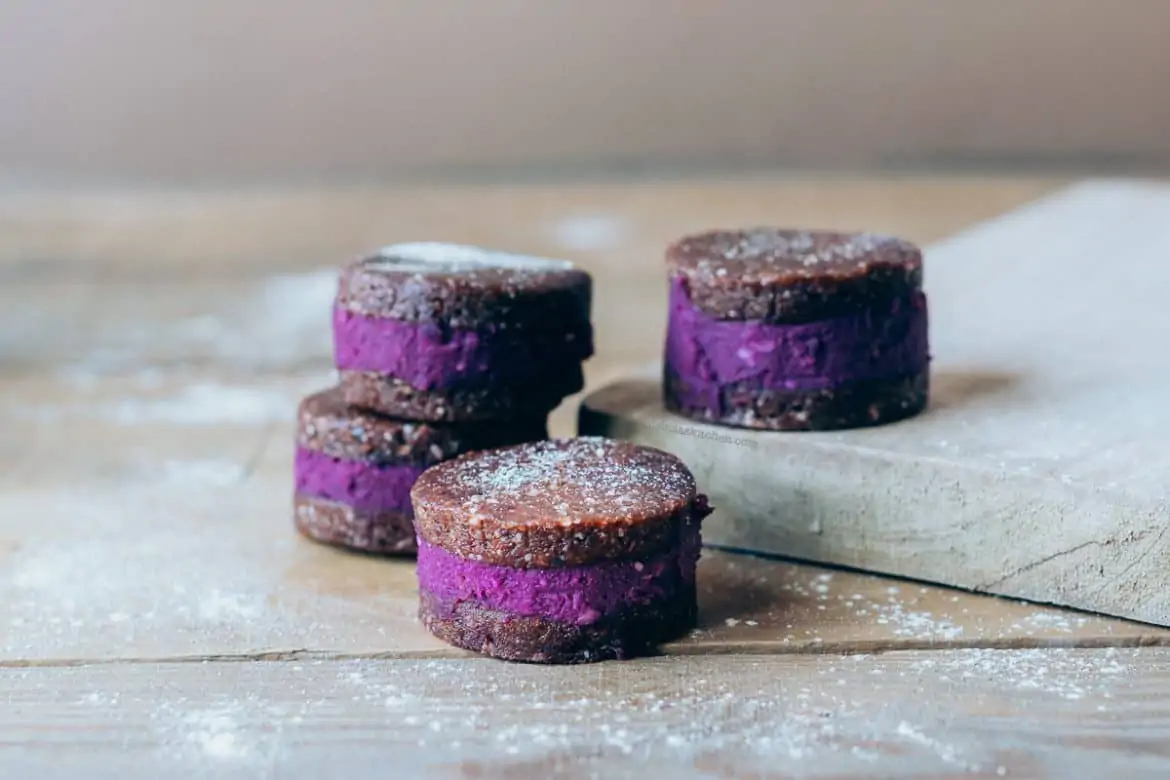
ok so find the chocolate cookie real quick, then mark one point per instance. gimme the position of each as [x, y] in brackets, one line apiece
[444, 332]
[795, 330]
[354, 469]
[561, 551]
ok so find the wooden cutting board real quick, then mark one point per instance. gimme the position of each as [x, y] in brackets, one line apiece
[1042, 467]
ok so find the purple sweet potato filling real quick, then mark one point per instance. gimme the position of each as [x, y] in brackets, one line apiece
[888, 342]
[365, 486]
[432, 358]
[579, 595]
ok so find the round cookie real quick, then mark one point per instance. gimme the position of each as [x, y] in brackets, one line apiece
[559, 551]
[444, 332]
[795, 330]
[354, 470]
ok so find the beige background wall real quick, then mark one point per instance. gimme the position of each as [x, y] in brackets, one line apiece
[182, 89]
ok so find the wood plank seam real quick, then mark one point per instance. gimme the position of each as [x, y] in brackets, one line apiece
[742, 648]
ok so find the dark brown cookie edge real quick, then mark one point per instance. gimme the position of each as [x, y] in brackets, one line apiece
[855, 405]
[393, 397]
[556, 300]
[326, 423]
[549, 546]
[749, 290]
[338, 525]
[510, 637]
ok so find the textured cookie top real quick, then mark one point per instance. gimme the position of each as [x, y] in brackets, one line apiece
[432, 257]
[557, 502]
[326, 424]
[465, 286]
[792, 275]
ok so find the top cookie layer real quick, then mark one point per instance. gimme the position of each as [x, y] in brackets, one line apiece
[431, 257]
[556, 502]
[779, 276]
[465, 286]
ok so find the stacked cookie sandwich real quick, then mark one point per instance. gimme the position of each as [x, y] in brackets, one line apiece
[441, 350]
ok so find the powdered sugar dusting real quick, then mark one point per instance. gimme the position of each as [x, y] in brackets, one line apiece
[1061, 672]
[205, 471]
[800, 252]
[944, 713]
[898, 609]
[221, 733]
[915, 624]
[278, 323]
[435, 257]
[286, 321]
[54, 592]
[217, 734]
[590, 232]
[162, 569]
[220, 607]
[569, 480]
[197, 404]
[205, 404]
[828, 607]
[815, 716]
[805, 247]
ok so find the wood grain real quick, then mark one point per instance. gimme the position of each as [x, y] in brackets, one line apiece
[944, 714]
[92, 277]
[163, 529]
[152, 349]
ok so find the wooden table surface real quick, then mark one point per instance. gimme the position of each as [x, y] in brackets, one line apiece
[159, 617]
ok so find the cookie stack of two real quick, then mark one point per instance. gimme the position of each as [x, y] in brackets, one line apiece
[441, 350]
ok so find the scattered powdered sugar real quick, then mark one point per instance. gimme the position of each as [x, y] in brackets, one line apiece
[1066, 673]
[238, 732]
[113, 569]
[217, 734]
[87, 376]
[916, 624]
[1047, 622]
[590, 233]
[279, 323]
[197, 404]
[205, 404]
[219, 607]
[949, 754]
[623, 720]
[816, 716]
[896, 608]
[566, 479]
[205, 471]
[286, 322]
[823, 247]
[435, 257]
[54, 592]
[735, 716]
[795, 250]
[761, 243]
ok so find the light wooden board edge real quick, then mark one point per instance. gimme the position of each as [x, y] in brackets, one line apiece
[822, 510]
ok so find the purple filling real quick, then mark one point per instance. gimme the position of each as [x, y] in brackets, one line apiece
[579, 595]
[432, 358]
[888, 341]
[367, 487]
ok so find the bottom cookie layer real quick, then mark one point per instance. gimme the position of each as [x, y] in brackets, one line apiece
[856, 405]
[329, 522]
[512, 637]
[393, 397]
